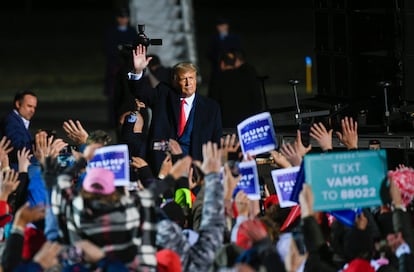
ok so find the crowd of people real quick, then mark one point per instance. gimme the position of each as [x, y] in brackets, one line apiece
[181, 210]
[185, 216]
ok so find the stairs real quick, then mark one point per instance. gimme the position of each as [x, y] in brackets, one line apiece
[169, 20]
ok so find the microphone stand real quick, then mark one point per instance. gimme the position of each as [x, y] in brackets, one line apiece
[304, 127]
[262, 81]
[293, 83]
[385, 85]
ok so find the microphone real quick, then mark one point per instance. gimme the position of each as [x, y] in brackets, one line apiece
[293, 82]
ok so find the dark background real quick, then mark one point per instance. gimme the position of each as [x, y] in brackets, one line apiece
[56, 44]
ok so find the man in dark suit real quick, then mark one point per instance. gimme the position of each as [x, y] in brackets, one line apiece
[236, 79]
[16, 123]
[178, 111]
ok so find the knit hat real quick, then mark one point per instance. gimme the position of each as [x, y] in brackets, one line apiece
[168, 260]
[99, 181]
[174, 212]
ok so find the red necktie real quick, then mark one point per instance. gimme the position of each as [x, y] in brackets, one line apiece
[181, 124]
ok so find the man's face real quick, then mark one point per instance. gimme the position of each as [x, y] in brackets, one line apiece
[122, 20]
[187, 82]
[27, 106]
[223, 29]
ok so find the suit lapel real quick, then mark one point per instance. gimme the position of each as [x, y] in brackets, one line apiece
[20, 121]
[198, 110]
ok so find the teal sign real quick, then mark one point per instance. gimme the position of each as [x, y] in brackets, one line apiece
[346, 180]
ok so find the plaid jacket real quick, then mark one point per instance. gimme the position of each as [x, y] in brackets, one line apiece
[124, 230]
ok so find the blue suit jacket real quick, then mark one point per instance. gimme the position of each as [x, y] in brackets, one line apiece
[20, 137]
[14, 129]
[165, 104]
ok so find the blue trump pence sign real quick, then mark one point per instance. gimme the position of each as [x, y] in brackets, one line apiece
[346, 180]
[257, 134]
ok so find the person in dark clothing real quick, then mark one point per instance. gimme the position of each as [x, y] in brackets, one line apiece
[221, 41]
[236, 79]
[117, 60]
[16, 124]
[134, 129]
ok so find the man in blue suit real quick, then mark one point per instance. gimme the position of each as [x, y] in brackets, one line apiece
[178, 111]
[16, 123]
[16, 128]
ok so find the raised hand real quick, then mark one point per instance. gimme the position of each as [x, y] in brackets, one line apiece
[229, 182]
[5, 148]
[242, 203]
[42, 146]
[23, 157]
[322, 136]
[47, 146]
[289, 152]
[75, 131]
[56, 146]
[361, 221]
[349, 135]
[306, 200]
[279, 159]
[229, 144]
[9, 183]
[300, 149]
[181, 168]
[140, 58]
[211, 158]
[139, 104]
[395, 194]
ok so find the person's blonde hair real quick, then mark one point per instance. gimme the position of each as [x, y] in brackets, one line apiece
[183, 67]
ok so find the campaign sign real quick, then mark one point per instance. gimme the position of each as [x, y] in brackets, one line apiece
[114, 158]
[257, 134]
[346, 180]
[249, 181]
[284, 180]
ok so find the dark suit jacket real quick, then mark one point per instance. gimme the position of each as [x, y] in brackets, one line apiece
[14, 129]
[165, 104]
